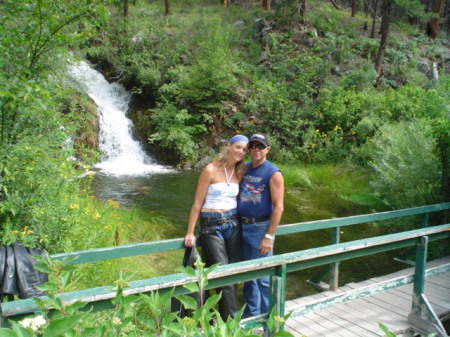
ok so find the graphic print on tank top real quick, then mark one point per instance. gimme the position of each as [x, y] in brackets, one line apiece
[251, 193]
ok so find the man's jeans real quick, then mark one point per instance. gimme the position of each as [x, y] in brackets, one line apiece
[256, 292]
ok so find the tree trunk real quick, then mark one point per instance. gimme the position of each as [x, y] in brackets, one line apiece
[433, 24]
[302, 9]
[226, 3]
[354, 7]
[266, 5]
[167, 5]
[125, 7]
[385, 27]
[334, 3]
[374, 20]
[447, 16]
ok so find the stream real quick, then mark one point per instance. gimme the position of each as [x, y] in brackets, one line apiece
[130, 176]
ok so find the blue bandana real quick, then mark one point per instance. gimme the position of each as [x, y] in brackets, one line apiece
[238, 138]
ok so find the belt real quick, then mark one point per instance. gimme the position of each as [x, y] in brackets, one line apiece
[246, 220]
[216, 221]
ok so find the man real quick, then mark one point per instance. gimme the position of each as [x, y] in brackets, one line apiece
[260, 206]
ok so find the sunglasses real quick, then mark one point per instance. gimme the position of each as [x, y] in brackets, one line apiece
[257, 146]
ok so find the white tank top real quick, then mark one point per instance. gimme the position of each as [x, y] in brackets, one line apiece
[221, 196]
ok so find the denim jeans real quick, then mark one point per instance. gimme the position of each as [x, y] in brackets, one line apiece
[256, 292]
[221, 244]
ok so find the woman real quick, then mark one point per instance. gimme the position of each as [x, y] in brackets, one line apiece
[215, 202]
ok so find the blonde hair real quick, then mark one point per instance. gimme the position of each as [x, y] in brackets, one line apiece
[221, 159]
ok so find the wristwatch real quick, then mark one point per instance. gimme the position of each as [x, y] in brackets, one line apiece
[270, 237]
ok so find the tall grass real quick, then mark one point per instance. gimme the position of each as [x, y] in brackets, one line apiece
[349, 182]
[104, 224]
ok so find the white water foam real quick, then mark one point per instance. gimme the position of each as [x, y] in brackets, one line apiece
[122, 155]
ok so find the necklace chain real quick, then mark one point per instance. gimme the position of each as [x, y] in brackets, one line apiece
[226, 174]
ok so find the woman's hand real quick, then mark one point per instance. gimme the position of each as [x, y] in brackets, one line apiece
[189, 240]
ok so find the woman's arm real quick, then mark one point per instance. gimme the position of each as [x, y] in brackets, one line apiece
[202, 187]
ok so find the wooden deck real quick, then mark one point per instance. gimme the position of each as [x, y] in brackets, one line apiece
[360, 317]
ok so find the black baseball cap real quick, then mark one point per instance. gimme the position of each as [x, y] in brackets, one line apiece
[260, 137]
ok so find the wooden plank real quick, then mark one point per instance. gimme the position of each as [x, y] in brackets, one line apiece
[375, 314]
[348, 322]
[331, 324]
[391, 307]
[385, 303]
[356, 318]
[303, 327]
[315, 324]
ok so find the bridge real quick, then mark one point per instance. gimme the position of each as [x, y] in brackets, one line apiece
[420, 316]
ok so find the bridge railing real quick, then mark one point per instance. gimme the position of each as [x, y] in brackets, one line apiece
[277, 267]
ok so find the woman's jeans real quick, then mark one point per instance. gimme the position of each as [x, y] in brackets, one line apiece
[220, 239]
[256, 292]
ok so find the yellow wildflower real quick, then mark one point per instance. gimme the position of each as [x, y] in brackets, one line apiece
[113, 203]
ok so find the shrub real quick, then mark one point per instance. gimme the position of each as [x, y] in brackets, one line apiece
[407, 170]
[176, 130]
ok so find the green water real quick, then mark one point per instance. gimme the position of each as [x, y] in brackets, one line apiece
[171, 195]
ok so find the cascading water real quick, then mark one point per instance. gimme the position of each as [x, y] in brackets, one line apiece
[122, 155]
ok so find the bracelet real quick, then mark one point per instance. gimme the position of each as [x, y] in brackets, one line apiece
[270, 237]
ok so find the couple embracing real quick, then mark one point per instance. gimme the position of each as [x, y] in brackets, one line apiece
[240, 206]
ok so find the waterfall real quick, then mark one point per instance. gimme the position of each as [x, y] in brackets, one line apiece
[122, 155]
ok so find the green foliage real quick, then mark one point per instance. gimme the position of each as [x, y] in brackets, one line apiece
[132, 315]
[295, 177]
[211, 79]
[38, 30]
[407, 170]
[36, 177]
[176, 130]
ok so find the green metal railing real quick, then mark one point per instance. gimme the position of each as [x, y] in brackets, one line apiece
[277, 267]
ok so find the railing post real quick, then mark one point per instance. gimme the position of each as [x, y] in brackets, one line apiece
[403, 258]
[334, 267]
[277, 292]
[422, 316]
[419, 274]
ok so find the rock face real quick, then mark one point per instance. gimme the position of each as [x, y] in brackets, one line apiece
[200, 165]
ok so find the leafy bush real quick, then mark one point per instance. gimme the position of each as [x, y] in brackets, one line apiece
[407, 170]
[176, 130]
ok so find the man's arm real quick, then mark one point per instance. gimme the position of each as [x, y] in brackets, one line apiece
[277, 196]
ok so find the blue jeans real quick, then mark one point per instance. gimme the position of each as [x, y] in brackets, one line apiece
[256, 292]
[221, 243]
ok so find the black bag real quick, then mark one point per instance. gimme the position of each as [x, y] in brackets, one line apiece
[189, 258]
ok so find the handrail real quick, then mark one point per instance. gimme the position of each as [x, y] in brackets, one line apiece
[276, 266]
[248, 270]
[107, 253]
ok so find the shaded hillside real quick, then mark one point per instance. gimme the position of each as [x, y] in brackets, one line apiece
[204, 73]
